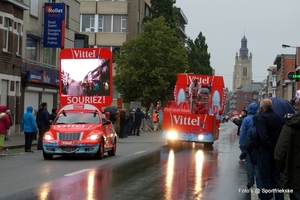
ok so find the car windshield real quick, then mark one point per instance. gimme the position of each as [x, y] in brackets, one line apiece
[78, 118]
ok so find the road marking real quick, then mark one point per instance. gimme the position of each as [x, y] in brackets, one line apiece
[139, 152]
[77, 172]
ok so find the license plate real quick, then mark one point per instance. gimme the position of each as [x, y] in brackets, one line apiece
[66, 143]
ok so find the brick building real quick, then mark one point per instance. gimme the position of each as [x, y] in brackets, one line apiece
[11, 36]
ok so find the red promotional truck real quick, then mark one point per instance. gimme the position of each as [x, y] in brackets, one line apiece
[180, 121]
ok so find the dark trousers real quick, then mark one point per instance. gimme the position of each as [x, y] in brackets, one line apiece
[295, 195]
[28, 140]
[269, 174]
[42, 130]
[136, 129]
[122, 127]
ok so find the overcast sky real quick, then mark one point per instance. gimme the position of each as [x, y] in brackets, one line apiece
[267, 25]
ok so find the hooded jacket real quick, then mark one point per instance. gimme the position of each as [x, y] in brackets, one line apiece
[138, 116]
[247, 123]
[287, 153]
[4, 120]
[28, 123]
[248, 147]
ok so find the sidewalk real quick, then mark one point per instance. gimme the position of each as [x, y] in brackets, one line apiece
[16, 141]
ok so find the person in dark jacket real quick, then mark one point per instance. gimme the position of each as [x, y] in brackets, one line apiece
[53, 114]
[42, 121]
[287, 155]
[138, 116]
[248, 150]
[238, 121]
[269, 126]
[29, 126]
[122, 123]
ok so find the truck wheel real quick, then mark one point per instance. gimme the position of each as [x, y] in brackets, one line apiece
[113, 151]
[47, 156]
[100, 152]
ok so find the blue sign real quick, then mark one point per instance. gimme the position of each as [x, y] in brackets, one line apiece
[54, 25]
[41, 77]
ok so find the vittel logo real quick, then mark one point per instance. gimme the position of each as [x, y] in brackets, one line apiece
[49, 9]
[185, 120]
[201, 80]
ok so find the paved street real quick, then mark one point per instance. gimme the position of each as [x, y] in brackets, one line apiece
[144, 168]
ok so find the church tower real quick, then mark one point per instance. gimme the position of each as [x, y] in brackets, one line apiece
[242, 74]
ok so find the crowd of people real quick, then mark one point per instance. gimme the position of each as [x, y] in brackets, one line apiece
[133, 122]
[270, 148]
[33, 122]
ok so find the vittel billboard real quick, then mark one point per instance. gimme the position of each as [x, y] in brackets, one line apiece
[86, 76]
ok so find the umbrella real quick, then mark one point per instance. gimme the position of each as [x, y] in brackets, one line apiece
[111, 109]
[282, 106]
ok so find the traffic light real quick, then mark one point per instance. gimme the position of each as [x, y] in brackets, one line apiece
[296, 76]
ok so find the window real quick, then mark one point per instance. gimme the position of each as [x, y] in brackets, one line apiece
[245, 71]
[107, 23]
[123, 24]
[49, 56]
[5, 34]
[67, 17]
[19, 42]
[31, 49]
[88, 23]
[100, 23]
[34, 8]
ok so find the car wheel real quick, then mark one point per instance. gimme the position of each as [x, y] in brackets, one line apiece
[113, 151]
[47, 156]
[100, 152]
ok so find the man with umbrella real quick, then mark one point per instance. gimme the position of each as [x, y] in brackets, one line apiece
[286, 153]
[112, 113]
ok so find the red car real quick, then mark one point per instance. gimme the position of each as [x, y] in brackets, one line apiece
[80, 130]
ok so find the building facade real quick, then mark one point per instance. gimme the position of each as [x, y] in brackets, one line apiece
[285, 66]
[11, 36]
[242, 74]
[29, 70]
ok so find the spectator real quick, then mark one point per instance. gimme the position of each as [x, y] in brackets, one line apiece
[10, 121]
[269, 125]
[286, 153]
[138, 116]
[130, 123]
[248, 150]
[122, 122]
[155, 120]
[53, 115]
[4, 126]
[36, 132]
[238, 121]
[247, 124]
[42, 120]
[29, 126]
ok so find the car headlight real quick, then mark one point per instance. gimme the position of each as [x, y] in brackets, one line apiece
[48, 137]
[93, 137]
[201, 137]
[172, 135]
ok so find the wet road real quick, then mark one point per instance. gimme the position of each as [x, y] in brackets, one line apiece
[188, 173]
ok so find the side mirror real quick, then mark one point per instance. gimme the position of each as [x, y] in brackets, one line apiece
[107, 115]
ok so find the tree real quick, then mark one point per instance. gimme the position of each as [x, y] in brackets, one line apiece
[198, 57]
[166, 9]
[147, 66]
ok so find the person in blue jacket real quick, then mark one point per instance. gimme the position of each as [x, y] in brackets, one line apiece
[247, 124]
[29, 126]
